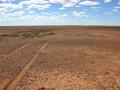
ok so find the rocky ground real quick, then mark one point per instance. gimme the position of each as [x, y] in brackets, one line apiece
[72, 60]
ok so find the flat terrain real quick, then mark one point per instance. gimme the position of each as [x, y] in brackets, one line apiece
[60, 58]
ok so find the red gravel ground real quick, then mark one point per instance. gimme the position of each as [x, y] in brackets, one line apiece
[76, 58]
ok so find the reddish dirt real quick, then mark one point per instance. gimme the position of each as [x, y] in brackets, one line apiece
[77, 58]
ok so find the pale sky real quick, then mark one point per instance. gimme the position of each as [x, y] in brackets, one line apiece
[59, 12]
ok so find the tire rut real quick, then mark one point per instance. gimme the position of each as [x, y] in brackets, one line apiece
[12, 85]
[17, 50]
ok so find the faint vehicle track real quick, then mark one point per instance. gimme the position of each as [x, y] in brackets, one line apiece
[12, 85]
[17, 50]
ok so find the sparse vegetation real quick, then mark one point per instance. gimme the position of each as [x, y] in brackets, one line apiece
[36, 33]
[9, 35]
[28, 34]
[92, 35]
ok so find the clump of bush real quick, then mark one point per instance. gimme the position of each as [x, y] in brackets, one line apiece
[36, 33]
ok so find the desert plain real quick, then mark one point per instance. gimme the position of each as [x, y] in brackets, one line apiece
[59, 58]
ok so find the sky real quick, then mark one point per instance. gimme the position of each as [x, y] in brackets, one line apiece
[59, 12]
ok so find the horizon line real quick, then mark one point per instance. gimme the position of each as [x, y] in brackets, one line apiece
[59, 25]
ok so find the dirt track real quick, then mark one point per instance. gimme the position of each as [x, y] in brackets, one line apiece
[73, 60]
[14, 83]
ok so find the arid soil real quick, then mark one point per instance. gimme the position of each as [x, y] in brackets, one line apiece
[61, 58]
